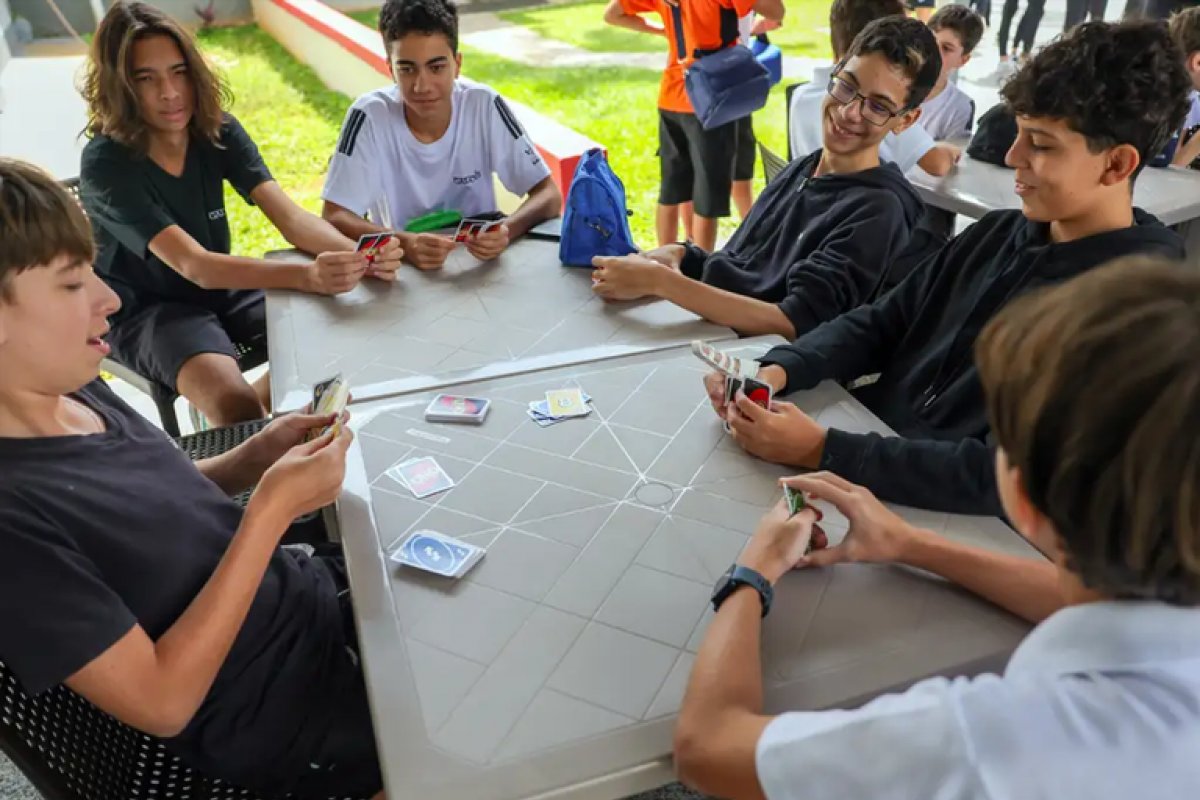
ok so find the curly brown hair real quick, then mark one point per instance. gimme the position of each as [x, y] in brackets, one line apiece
[1121, 83]
[39, 221]
[1093, 391]
[108, 88]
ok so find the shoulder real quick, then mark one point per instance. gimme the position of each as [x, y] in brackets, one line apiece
[102, 151]
[377, 102]
[233, 130]
[475, 97]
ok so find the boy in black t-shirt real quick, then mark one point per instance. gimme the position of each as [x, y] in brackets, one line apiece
[140, 584]
[151, 180]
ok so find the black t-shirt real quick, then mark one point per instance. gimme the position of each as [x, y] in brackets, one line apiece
[130, 200]
[100, 532]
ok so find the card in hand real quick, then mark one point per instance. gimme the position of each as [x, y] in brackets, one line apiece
[331, 397]
[421, 476]
[370, 244]
[436, 553]
[795, 500]
[457, 408]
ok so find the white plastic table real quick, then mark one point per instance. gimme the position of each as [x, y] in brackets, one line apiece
[973, 188]
[556, 667]
[467, 321]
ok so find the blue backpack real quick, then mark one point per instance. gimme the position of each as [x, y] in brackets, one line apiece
[595, 221]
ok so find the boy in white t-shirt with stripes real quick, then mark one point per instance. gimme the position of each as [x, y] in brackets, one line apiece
[432, 142]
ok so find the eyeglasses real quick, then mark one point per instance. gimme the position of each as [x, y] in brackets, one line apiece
[873, 111]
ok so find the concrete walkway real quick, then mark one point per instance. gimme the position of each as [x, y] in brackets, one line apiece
[42, 113]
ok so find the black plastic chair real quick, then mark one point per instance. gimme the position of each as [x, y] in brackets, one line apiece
[772, 164]
[70, 750]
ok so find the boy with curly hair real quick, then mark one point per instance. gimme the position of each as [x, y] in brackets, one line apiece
[1092, 108]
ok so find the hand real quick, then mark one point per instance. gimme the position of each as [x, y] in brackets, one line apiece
[625, 277]
[428, 251]
[954, 150]
[782, 434]
[307, 477]
[714, 386]
[876, 534]
[386, 261]
[281, 435]
[669, 255]
[489, 244]
[1188, 149]
[335, 273]
[779, 543]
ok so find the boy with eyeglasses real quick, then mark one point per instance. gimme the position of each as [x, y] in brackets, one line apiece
[820, 238]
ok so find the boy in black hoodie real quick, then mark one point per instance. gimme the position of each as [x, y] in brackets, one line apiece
[818, 240]
[1091, 108]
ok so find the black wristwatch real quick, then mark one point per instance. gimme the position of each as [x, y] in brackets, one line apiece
[736, 576]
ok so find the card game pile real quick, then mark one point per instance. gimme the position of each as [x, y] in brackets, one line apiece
[457, 408]
[421, 476]
[560, 405]
[441, 555]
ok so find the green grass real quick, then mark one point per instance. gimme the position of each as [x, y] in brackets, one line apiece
[290, 114]
[803, 33]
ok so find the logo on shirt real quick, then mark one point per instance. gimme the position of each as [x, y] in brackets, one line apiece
[216, 214]
[534, 158]
[467, 180]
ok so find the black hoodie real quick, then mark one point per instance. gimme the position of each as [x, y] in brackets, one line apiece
[815, 246]
[920, 336]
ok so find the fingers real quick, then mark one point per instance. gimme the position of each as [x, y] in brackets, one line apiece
[824, 486]
[346, 258]
[825, 557]
[308, 448]
[750, 409]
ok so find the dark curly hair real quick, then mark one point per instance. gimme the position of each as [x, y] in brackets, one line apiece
[398, 18]
[1121, 83]
[909, 44]
[963, 21]
[847, 18]
[1093, 392]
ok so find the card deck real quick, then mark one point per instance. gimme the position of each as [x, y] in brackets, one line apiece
[470, 227]
[436, 553]
[566, 403]
[371, 243]
[795, 500]
[539, 411]
[457, 408]
[757, 391]
[421, 476]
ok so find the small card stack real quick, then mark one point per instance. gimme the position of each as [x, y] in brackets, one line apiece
[421, 476]
[559, 405]
[441, 555]
[457, 408]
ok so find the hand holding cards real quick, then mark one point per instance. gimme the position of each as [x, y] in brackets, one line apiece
[471, 228]
[331, 397]
[441, 555]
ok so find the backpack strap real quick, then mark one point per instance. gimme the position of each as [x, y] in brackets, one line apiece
[680, 41]
[729, 33]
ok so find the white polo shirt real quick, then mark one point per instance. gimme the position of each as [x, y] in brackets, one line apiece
[379, 168]
[804, 126]
[1100, 702]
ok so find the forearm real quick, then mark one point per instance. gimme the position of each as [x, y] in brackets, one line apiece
[234, 470]
[312, 234]
[938, 161]
[543, 203]
[746, 315]
[220, 271]
[633, 22]
[191, 652]
[772, 10]
[1027, 587]
[348, 223]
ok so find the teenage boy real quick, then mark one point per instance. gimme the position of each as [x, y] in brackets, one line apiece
[907, 147]
[151, 179]
[139, 583]
[1185, 30]
[696, 165]
[948, 113]
[432, 142]
[1093, 389]
[819, 240]
[1118, 90]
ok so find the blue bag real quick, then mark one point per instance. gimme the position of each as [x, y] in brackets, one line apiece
[726, 84]
[770, 56]
[595, 221]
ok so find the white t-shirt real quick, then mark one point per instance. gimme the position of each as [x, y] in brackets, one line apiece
[804, 127]
[1100, 702]
[950, 115]
[380, 169]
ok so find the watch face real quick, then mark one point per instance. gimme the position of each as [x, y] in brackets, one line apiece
[722, 586]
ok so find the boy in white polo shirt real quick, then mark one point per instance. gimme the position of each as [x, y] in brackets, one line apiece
[948, 112]
[432, 143]
[1093, 389]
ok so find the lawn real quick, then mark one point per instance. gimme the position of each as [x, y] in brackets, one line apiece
[295, 119]
[804, 32]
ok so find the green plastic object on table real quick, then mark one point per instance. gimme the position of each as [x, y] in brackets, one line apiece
[434, 221]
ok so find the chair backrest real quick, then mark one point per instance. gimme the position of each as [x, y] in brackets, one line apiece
[787, 116]
[772, 164]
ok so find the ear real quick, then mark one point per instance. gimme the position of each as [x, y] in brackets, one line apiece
[1193, 62]
[1122, 161]
[966, 59]
[457, 64]
[903, 122]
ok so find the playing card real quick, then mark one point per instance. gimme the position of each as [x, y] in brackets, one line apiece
[457, 408]
[722, 361]
[368, 242]
[566, 403]
[421, 476]
[436, 553]
[330, 397]
[758, 392]
[795, 500]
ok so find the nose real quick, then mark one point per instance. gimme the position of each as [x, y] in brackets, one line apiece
[168, 90]
[419, 85]
[106, 302]
[1015, 157]
[853, 111]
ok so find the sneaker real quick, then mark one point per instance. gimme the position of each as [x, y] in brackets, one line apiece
[1004, 70]
[199, 421]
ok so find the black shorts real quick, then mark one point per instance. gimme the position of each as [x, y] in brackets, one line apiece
[157, 340]
[346, 761]
[695, 164]
[745, 149]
